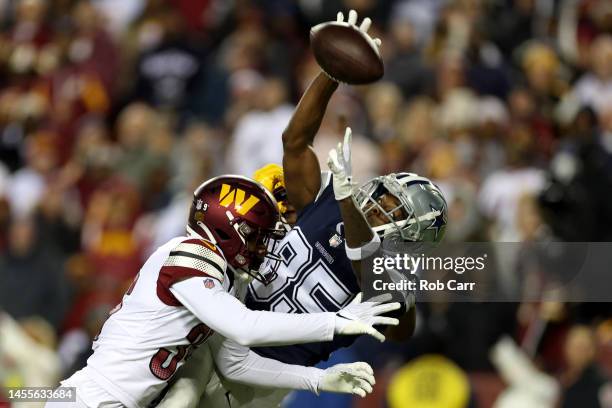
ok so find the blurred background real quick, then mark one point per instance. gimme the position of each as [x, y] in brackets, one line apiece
[112, 111]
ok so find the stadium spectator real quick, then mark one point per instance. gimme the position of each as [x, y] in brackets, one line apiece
[32, 279]
[582, 379]
[261, 127]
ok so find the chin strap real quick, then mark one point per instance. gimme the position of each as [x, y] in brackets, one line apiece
[364, 251]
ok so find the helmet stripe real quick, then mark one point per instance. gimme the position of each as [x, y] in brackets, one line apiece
[425, 217]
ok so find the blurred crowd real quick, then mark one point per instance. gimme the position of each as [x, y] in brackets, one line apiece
[112, 111]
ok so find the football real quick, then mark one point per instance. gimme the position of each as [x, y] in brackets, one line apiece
[346, 53]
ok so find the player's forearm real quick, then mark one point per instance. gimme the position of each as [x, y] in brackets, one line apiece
[258, 328]
[306, 119]
[357, 231]
[225, 315]
[240, 364]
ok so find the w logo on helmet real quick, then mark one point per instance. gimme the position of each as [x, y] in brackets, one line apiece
[237, 197]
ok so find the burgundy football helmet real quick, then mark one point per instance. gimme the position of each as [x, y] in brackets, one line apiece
[231, 210]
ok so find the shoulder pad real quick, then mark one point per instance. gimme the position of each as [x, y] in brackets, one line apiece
[199, 256]
[192, 257]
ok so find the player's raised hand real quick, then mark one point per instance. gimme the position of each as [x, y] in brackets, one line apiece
[363, 27]
[354, 378]
[339, 162]
[346, 52]
[359, 318]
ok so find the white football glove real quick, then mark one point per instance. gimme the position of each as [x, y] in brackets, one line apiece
[354, 378]
[339, 162]
[358, 318]
[364, 27]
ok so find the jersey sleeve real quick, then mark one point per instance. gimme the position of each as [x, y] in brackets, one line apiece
[224, 314]
[240, 364]
[190, 258]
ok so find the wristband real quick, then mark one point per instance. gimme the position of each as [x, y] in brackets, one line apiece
[364, 251]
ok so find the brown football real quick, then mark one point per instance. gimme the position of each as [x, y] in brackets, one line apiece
[345, 53]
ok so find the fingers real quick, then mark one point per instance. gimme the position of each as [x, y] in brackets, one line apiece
[361, 366]
[385, 307]
[331, 157]
[352, 20]
[332, 161]
[345, 150]
[339, 150]
[341, 157]
[361, 388]
[384, 298]
[377, 308]
[386, 321]
[367, 377]
[365, 24]
[364, 27]
[361, 377]
[375, 333]
[348, 135]
[364, 385]
[352, 17]
[357, 374]
[361, 370]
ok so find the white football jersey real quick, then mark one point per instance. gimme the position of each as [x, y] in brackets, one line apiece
[150, 334]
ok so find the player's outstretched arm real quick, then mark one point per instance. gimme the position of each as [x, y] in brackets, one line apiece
[227, 316]
[300, 164]
[361, 241]
[240, 364]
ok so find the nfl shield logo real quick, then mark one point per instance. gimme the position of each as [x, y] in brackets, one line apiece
[335, 240]
[208, 283]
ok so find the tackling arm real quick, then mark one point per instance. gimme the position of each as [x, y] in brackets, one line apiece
[240, 364]
[300, 165]
[227, 316]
